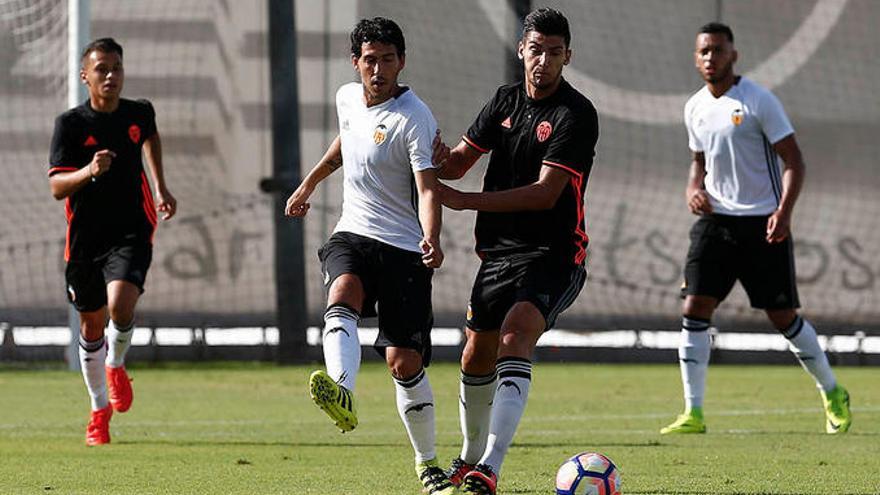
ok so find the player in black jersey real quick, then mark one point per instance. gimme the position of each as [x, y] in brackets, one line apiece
[530, 234]
[95, 166]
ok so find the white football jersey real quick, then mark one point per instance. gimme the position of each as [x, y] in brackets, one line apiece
[736, 133]
[383, 146]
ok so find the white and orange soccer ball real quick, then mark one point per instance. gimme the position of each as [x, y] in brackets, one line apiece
[588, 473]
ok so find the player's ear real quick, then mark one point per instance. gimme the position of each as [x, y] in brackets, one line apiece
[82, 76]
[735, 56]
[519, 50]
[567, 56]
[354, 61]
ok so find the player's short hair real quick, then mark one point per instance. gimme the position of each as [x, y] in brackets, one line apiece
[106, 45]
[377, 30]
[717, 28]
[549, 22]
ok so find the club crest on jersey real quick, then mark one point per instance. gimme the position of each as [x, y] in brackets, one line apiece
[543, 131]
[134, 133]
[379, 134]
[737, 116]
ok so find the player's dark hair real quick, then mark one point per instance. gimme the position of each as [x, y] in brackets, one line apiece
[717, 28]
[549, 22]
[106, 45]
[377, 30]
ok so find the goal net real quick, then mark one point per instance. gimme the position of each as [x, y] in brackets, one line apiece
[205, 67]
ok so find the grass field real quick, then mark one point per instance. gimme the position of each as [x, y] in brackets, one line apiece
[251, 429]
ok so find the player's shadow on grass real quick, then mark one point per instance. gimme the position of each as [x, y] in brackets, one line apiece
[678, 492]
[250, 443]
[647, 443]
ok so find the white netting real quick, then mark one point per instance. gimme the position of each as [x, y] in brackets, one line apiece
[204, 64]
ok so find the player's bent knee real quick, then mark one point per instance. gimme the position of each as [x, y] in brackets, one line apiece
[403, 363]
[781, 318]
[92, 324]
[700, 307]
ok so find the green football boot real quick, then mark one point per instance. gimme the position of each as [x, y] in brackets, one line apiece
[433, 478]
[691, 421]
[334, 399]
[837, 413]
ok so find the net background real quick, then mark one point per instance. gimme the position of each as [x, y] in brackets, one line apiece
[204, 65]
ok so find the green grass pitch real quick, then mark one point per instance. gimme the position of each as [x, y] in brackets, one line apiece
[251, 429]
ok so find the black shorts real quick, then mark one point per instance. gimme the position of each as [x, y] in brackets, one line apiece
[397, 288]
[726, 248]
[548, 282]
[87, 280]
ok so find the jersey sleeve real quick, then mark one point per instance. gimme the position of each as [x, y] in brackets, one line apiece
[573, 143]
[61, 151]
[484, 134]
[693, 140]
[421, 128]
[149, 119]
[774, 121]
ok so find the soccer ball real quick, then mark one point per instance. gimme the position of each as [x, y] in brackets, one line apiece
[588, 473]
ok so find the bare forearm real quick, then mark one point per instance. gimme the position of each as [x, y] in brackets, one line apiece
[460, 160]
[533, 197]
[793, 173]
[329, 163]
[430, 214]
[792, 183]
[64, 184]
[153, 154]
[695, 177]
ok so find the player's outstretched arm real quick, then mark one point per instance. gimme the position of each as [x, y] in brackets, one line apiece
[779, 223]
[63, 184]
[430, 217]
[696, 196]
[297, 203]
[453, 164]
[166, 203]
[540, 195]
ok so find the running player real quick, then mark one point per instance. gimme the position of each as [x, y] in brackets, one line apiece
[95, 165]
[530, 234]
[736, 130]
[382, 254]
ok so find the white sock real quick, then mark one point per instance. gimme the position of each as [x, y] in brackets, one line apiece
[342, 347]
[91, 359]
[474, 407]
[415, 404]
[693, 357]
[514, 380]
[118, 342]
[802, 341]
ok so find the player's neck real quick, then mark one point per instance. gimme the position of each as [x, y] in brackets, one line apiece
[373, 100]
[718, 88]
[103, 105]
[537, 93]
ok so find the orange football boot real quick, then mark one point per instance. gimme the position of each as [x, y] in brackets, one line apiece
[119, 388]
[98, 430]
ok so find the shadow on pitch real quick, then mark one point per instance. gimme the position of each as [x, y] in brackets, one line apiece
[248, 443]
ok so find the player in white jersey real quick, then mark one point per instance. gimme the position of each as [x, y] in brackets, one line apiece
[736, 130]
[382, 254]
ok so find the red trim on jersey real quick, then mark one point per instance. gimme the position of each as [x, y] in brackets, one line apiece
[149, 206]
[55, 170]
[581, 238]
[564, 167]
[68, 213]
[474, 145]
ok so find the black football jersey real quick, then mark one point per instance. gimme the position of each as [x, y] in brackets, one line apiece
[116, 207]
[524, 135]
